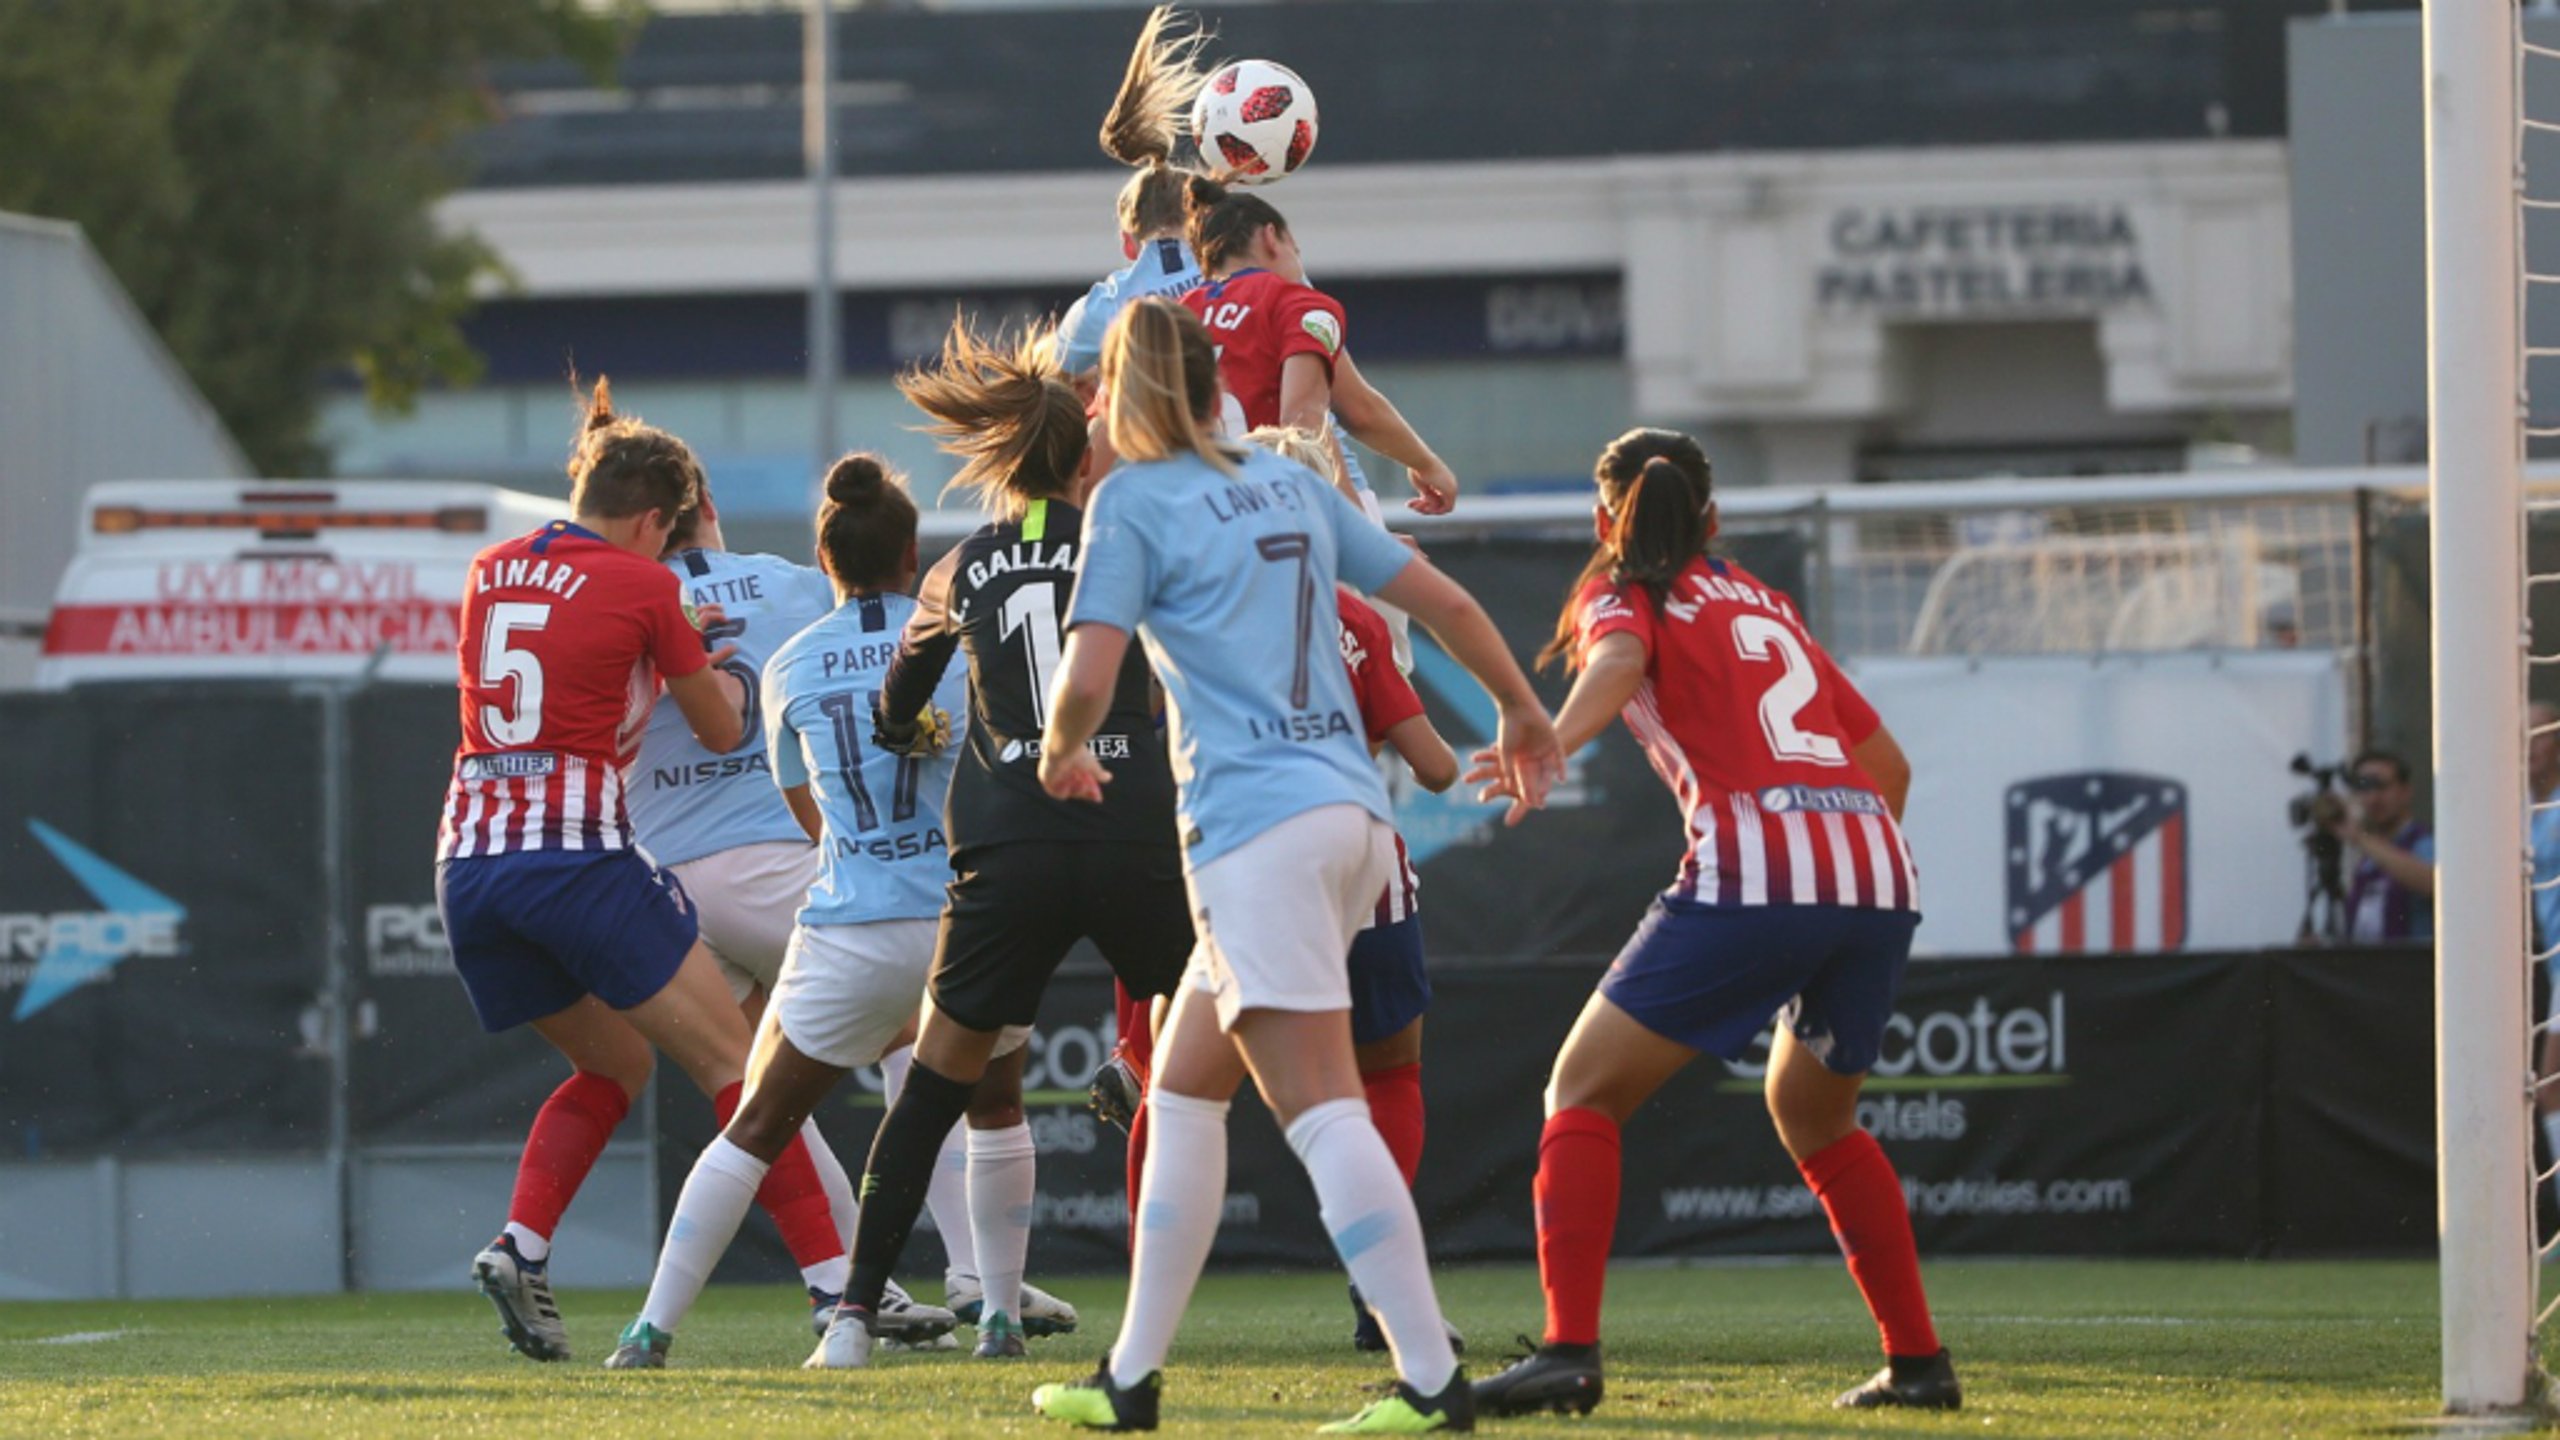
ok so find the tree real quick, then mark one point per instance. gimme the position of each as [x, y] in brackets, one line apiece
[261, 176]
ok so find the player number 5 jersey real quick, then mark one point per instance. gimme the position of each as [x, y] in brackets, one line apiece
[564, 641]
[1754, 729]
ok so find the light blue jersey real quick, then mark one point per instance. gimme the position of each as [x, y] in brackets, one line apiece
[883, 852]
[685, 801]
[1163, 267]
[1229, 581]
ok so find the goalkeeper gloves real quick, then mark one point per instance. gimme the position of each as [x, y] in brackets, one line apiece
[920, 738]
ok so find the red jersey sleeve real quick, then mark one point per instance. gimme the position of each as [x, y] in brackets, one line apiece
[1310, 324]
[675, 646]
[1605, 609]
[1858, 719]
[1386, 698]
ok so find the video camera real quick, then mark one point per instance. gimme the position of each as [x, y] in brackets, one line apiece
[2314, 815]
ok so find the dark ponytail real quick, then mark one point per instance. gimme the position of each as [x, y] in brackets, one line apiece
[1660, 529]
[1657, 489]
[1220, 223]
[866, 525]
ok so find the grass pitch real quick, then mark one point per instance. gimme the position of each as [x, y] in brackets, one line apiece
[2046, 1350]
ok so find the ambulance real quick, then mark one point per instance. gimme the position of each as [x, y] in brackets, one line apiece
[233, 580]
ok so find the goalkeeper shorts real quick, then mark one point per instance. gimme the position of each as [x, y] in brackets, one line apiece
[1015, 910]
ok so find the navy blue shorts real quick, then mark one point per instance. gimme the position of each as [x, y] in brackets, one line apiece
[1388, 987]
[1709, 976]
[533, 932]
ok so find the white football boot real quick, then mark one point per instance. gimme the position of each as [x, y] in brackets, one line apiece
[521, 1290]
[845, 1346]
[1042, 1312]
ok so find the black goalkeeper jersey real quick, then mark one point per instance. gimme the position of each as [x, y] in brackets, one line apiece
[1002, 594]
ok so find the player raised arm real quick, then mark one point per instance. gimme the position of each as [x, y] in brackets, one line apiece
[1525, 744]
[1611, 674]
[1374, 421]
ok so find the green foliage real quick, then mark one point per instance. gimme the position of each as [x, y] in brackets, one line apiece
[261, 174]
[2053, 1350]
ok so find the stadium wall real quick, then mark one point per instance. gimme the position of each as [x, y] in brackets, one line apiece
[1823, 315]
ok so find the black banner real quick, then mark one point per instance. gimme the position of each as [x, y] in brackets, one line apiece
[160, 948]
[2142, 1106]
[424, 1072]
[163, 933]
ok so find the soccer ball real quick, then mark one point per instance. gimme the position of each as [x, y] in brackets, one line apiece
[1256, 119]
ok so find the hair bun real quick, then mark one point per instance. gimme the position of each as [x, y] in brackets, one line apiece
[600, 405]
[1202, 193]
[856, 478]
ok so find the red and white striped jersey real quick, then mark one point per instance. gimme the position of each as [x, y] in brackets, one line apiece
[564, 638]
[1386, 700]
[1753, 728]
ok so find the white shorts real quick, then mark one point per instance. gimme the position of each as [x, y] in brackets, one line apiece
[746, 897]
[1275, 915]
[847, 990]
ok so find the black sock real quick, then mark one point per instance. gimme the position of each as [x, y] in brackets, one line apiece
[896, 1176]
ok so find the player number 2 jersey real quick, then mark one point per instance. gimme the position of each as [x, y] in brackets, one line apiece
[564, 641]
[1753, 728]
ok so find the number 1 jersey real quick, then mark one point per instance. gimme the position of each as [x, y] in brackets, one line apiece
[1002, 595]
[1753, 728]
[564, 641]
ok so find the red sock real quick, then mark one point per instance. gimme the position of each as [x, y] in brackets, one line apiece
[1395, 1107]
[1859, 1191]
[791, 1194]
[1134, 1017]
[1577, 1218]
[568, 1134]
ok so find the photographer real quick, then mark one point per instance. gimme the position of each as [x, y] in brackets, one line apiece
[2391, 890]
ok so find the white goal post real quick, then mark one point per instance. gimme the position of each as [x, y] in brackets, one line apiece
[2475, 387]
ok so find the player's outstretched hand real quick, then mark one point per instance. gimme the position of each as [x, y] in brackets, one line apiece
[1073, 774]
[1527, 759]
[1435, 489]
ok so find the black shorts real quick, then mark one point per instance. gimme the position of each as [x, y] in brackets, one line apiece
[1014, 911]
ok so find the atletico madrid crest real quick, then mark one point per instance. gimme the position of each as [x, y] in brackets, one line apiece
[2097, 861]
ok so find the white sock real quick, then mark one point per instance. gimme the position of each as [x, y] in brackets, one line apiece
[534, 1248]
[709, 1210]
[840, 1203]
[946, 1199]
[1176, 1226]
[1003, 1185]
[946, 1196]
[1370, 1216]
